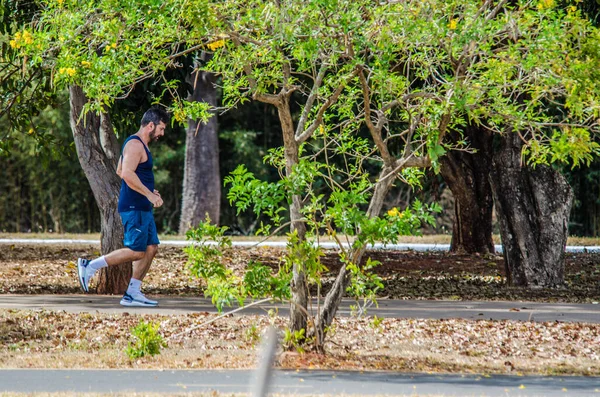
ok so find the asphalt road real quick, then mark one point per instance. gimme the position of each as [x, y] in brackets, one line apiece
[523, 311]
[292, 382]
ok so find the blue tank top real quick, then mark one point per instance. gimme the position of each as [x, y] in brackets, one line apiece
[129, 199]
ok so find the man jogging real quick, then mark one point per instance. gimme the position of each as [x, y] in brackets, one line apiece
[136, 200]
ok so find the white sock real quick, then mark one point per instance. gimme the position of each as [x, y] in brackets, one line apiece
[98, 263]
[134, 286]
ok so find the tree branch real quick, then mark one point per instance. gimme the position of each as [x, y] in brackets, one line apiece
[375, 132]
[411, 130]
[311, 99]
[408, 162]
[266, 98]
[319, 119]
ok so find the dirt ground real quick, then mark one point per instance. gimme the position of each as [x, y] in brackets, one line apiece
[34, 339]
[35, 269]
[46, 339]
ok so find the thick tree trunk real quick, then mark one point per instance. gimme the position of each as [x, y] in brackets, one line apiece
[298, 285]
[533, 206]
[201, 176]
[98, 159]
[467, 176]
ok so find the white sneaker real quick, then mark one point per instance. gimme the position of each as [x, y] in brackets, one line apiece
[84, 273]
[138, 300]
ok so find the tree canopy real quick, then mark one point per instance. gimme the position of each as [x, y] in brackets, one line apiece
[528, 67]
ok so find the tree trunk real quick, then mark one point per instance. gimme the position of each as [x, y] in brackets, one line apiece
[298, 285]
[467, 176]
[533, 206]
[201, 176]
[99, 162]
[335, 294]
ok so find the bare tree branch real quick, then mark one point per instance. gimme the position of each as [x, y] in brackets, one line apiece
[375, 133]
[311, 99]
[319, 118]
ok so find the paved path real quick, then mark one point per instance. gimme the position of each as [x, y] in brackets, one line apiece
[524, 311]
[292, 382]
[324, 244]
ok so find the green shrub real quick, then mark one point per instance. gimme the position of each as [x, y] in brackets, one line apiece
[148, 340]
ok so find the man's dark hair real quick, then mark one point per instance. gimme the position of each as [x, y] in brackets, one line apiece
[155, 115]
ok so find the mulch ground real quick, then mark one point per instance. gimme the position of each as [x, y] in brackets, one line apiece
[41, 338]
[44, 269]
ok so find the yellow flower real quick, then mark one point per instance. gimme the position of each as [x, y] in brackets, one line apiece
[215, 44]
[321, 129]
[27, 37]
[60, 2]
[30, 131]
[573, 8]
[70, 71]
[393, 212]
[13, 44]
[452, 24]
[18, 35]
[86, 64]
[543, 4]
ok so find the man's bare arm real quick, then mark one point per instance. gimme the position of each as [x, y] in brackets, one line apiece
[119, 167]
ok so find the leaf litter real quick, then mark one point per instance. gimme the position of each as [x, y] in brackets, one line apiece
[50, 269]
[46, 339]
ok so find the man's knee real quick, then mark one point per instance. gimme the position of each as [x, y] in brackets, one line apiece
[152, 250]
[137, 255]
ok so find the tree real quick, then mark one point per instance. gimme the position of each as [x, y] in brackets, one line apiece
[546, 123]
[27, 103]
[77, 43]
[467, 175]
[202, 178]
[98, 153]
[292, 55]
[534, 246]
[417, 72]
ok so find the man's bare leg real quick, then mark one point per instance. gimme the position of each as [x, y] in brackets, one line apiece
[134, 295]
[86, 268]
[123, 255]
[141, 266]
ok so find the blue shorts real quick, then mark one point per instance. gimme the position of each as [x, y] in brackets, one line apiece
[139, 230]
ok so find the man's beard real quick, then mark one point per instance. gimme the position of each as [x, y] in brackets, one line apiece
[153, 136]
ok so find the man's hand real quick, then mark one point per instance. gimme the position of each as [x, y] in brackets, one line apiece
[155, 199]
